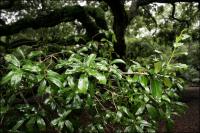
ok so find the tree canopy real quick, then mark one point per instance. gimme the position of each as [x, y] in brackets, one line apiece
[43, 13]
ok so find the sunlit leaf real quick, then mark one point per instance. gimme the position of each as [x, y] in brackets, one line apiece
[176, 44]
[16, 78]
[140, 110]
[118, 61]
[70, 81]
[90, 59]
[41, 124]
[69, 126]
[83, 84]
[35, 53]
[54, 77]
[12, 59]
[7, 77]
[31, 68]
[100, 77]
[55, 80]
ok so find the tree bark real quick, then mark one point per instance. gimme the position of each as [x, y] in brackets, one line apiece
[66, 14]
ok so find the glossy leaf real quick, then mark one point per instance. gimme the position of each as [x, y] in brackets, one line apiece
[118, 61]
[41, 124]
[69, 126]
[140, 110]
[70, 81]
[54, 78]
[16, 78]
[31, 68]
[90, 59]
[18, 124]
[83, 84]
[7, 77]
[176, 44]
[35, 53]
[100, 77]
[12, 59]
[156, 88]
[56, 81]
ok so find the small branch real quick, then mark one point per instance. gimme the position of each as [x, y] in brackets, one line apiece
[177, 19]
[153, 19]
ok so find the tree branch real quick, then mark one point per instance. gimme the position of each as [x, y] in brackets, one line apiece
[177, 19]
[66, 14]
[146, 2]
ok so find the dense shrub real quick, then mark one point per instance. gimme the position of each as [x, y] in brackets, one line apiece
[83, 90]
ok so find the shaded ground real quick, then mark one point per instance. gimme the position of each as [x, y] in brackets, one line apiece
[189, 122]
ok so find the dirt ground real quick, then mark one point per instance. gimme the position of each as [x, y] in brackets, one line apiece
[189, 122]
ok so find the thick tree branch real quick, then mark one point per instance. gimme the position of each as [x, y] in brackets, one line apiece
[66, 14]
[146, 2]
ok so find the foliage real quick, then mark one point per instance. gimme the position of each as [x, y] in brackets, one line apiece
[83, 90]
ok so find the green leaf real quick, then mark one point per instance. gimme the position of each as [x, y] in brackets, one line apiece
[185, 36]
[83, 84]
[55, 121]
[100, 77]
[116, 72]
[7, 77]
[118, 61]
[176, 44]
[35, 53]
[152, 111]
[16, 78]
[31, 68]
[42, 86]
[54, 77]
[157, 67]
[90, 59]
[69, 126]
[143, 80]
[166, 98]
[18, 124]
[140, 109]
[70, 81]
[167, 82]
[101, 67]
[65, 114]
[19, 50]
[41, 124]
[55, 80]
[12, 59]
[30, 124]
[156, 88]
